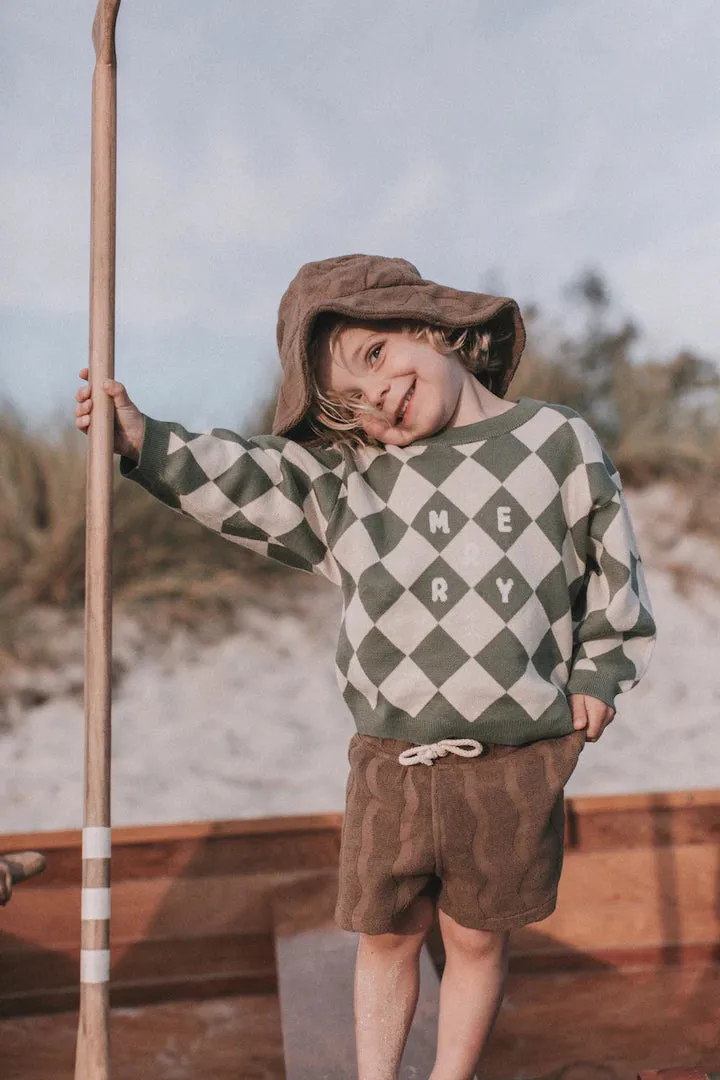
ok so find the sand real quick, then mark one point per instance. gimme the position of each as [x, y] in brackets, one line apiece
[255, 725]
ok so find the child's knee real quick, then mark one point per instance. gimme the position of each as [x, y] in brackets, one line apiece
[410, 931]
[474, 944]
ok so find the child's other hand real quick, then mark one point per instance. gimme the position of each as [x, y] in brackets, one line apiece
[590, 713]
[129, 423]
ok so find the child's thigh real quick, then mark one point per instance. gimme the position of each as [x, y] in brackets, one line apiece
[387, 851]
[501, 824]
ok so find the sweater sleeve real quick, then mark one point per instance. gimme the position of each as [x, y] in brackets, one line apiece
[266, 493]
[615, 631]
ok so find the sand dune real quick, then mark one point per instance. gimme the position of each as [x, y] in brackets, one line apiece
[255, 725]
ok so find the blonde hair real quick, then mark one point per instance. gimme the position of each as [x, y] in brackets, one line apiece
[334, 419]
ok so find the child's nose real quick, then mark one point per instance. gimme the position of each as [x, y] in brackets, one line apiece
[378, 393]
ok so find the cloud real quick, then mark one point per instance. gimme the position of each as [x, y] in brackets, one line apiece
[195, 246]
[533, 139]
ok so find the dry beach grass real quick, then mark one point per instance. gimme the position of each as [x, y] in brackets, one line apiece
[659, 420]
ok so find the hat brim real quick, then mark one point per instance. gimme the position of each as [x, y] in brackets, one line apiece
[424, 301]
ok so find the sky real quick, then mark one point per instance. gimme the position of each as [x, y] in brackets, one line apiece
[501, 147]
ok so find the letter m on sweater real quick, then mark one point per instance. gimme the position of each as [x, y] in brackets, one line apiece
[439, 521]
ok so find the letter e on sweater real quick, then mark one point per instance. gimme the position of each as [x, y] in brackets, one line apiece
[503, 519]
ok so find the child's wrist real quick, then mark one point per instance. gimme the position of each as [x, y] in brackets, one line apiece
[131, 447]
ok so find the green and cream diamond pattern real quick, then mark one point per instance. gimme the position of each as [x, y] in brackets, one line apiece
[487, 572]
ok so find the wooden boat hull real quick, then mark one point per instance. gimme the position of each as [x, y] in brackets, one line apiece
[196, 908]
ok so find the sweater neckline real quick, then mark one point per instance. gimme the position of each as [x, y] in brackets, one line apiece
[523, 409]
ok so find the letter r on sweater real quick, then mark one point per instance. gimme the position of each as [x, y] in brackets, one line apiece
[439, 589]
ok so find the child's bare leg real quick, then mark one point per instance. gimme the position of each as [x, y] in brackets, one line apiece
[470, 995]
[386, 991]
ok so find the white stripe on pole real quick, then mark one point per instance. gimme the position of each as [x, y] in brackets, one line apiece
[96, 843]
[95, 904]
[94, 965]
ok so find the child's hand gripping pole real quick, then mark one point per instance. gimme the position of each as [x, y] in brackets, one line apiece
[93, 1058]
[129, 421]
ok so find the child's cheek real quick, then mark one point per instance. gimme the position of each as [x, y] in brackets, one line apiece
[376, 429]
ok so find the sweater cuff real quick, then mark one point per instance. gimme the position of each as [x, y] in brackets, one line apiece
[153, 452]
[594, 683]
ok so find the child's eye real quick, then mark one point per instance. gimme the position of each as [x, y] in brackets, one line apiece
[374, 355]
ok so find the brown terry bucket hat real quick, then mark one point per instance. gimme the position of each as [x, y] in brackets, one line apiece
[375, 287]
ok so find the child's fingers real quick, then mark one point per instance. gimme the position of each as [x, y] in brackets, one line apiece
[117, 392]
[590, 713]
[599, 716]
[579, 711]
[82, 409]
[111, 387]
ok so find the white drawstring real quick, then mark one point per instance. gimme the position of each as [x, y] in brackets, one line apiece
[429, 751]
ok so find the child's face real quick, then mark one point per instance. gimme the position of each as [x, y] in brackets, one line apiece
[383, 366]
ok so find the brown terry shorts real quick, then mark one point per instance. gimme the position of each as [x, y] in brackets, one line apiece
[482, 835]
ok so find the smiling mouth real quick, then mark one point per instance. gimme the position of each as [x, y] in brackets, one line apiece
[404, 405]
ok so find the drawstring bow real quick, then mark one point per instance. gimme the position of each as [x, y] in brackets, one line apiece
[429, 751]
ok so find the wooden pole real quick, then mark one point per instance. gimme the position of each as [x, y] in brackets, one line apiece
[93, 1041]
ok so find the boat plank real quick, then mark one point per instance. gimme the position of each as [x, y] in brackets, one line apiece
[608, 900]
[236, 1037]
[602, 822]
[156, 907]
[614, 899]
[34, 980]
[180, 831]
[219, 847]
[607, 1026]
[203, 857]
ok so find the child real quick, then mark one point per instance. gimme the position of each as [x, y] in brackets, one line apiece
[494, 606]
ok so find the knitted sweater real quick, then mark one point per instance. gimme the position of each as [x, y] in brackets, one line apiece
[487, 572]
